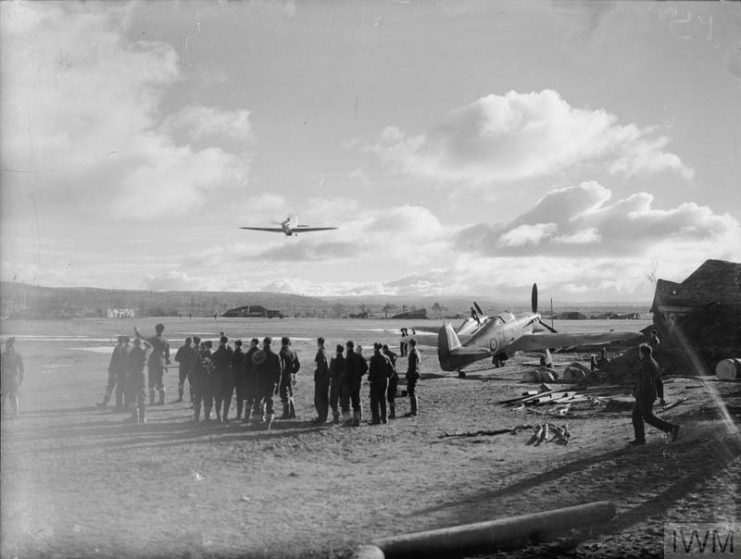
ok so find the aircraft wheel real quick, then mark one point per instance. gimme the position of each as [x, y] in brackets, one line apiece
[461, 374]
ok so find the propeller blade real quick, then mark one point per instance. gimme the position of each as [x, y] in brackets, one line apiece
[478, 309]
[544, 325]
[534, 298]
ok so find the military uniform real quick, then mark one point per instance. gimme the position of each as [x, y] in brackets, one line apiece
[201, 386]
[222, 381]
[413, 368]
[138, 358]
[289, 365]
[247, 385]
[117, 373]
[379, 372]
[393, 383]
[268, 369]
[648, 386]
[321, 385]
[356, 367]
[337, 382]
[158, 360]
[186, 362]
[11, 375]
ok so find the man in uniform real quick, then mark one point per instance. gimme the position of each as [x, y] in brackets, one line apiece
[11, 374]
[223, 381]
[268, 369]
[413, 368]
[355, 367]
[237, 374]
[393, 382]
[247, 383]
[379, 372]
[201, 380]
[645, 391]
[159, 359]
[138, 358]
[117, 372]
[185, 358]
[403, 344]
[289, 367]
[321, 382]
[337, 382]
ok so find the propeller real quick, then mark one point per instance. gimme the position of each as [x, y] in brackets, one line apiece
[534, 306]
[478, 309]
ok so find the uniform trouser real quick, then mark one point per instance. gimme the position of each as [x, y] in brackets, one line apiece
[378, 401]
[117, 381]
[264, 398]
[156, 374]
[202, 395]
[12, 396]
[412, 393]
[334, 397]
[391, 397]
[321, 399]
[643, 411]
[138, 389]
[183, 375]
[286, 395]
[246, 394]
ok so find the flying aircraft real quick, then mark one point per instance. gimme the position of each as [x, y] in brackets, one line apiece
[482, 337]
[290, 227]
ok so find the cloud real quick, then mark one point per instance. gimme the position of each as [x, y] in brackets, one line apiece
[524, 135]
[580, 221]
[82, 113]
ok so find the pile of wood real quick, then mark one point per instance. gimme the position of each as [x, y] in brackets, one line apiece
[550, 433]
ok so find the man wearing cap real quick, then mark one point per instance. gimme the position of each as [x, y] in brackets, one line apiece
[268, 369]
[321, 382]
[159, 359]
[289, 365]
[413, 368]
[337, 382]
[138, 358]
[11, 375]
[379, 372]
[117, 372]
[201, 380]
[356, 367]
[186, 361]
[393, 382]
[237, 372]
[223, 381]
[246, 383]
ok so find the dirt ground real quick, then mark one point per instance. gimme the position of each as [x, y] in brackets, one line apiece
[78, 481]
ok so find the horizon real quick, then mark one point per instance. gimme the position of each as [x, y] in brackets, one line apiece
[459, 147]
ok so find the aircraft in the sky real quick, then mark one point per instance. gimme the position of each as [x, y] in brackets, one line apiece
[290, 227]
[483, 337]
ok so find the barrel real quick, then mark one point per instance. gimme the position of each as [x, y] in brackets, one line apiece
[729, 369]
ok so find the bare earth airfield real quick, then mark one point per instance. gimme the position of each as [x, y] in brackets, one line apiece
[78, 481]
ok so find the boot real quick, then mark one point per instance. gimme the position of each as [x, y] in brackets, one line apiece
[268, 420]
[392, 410]
[196, 414]
[246, 418]
[106, 399]
[225, 415]
[162, 397]
[180, 392]
[151, 396]
[413, 402]
[336, 417]
[239, 409]
[291, 409]
[119, 401]
[142, 416]
[357, 417]
[207, 412]
[286, 412]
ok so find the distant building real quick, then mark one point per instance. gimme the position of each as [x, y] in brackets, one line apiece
[253, 311]
[415, 314]
[122, 313]
[571, 315]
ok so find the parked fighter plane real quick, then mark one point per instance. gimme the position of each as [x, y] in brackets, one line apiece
[481, 337]
[290, 227]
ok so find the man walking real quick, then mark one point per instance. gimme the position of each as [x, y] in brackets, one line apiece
[321, 382]
[378, 375]
[117, 369]
[11, 375]
[289, 365]
[337, 382]
[413, 368]
[645, 391]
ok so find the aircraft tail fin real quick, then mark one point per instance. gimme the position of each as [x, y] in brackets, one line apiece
[452, 354]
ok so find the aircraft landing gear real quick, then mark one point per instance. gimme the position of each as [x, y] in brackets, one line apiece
[461, 374]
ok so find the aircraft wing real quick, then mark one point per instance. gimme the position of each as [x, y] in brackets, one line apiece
[307, 229]
[270, 229]
[544, 340]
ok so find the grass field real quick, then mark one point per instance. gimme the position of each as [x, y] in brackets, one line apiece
[80, 482]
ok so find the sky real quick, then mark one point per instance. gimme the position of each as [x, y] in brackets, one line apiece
[459, 147]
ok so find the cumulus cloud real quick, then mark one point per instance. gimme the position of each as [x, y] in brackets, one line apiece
[83, 109]
[581, 221]
[525, 135]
